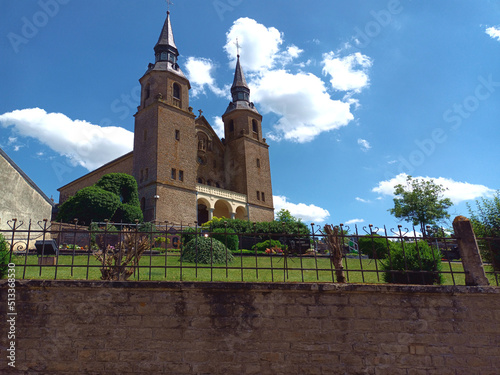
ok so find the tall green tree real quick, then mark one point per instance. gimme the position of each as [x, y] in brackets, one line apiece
[486, 223]
[420, 202]
[284, 216]
[113, 197]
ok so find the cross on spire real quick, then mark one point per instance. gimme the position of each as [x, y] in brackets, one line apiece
[169, 2]
[237, 47]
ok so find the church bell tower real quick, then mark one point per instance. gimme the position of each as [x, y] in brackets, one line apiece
[164, 137]
[247, 163]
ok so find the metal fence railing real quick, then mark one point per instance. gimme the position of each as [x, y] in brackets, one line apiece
[114, 251]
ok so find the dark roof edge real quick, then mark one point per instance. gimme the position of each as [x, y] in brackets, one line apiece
[95, 170]
[26, 178]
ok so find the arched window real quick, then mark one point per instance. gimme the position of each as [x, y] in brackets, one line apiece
[254, 126]
[147, 94]
[143, 204]
[231, 126]
[177, 91]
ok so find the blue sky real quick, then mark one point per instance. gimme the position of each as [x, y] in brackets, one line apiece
[354, 94]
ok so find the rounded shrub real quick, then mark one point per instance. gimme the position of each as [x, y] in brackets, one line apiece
[206, 250]
[127, 213]
[227, 237]
[89, 204]
[373, 246]
[405, 267]
[189, 234]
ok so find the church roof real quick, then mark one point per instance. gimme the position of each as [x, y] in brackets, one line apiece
[239, 77]
[166, 36]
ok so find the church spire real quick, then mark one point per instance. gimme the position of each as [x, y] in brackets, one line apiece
[165, 48]
[239, 89]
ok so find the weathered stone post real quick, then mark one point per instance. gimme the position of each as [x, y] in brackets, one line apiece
[335, 246]
[469, 252]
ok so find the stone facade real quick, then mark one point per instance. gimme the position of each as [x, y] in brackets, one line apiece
[21, 198]
[176, 153]
[85, 327]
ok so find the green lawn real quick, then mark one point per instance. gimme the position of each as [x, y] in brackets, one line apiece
[247, 268]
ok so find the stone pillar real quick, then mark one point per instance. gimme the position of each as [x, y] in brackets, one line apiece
[469, 252]
[233, 215]
[210, 213]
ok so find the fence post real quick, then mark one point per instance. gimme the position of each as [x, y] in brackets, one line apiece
[469, 252]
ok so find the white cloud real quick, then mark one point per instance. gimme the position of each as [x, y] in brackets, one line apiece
[83, 143]
[303, 103]
[300, 99]
[309, 213]
[494, 32]
[259, 45]
[457, 191]
[365, 145]
[200, 74]
[349, 73]
[218, 126]
[354, 221]
[362, 200]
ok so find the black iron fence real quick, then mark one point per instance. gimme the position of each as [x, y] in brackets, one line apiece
[114, 251]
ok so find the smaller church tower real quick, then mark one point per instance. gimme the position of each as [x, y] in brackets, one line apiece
[247, 164]
[165, 137]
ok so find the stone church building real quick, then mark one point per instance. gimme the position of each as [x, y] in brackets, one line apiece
[185, 173]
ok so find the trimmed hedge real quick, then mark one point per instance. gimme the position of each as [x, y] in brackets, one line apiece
[406, 265]
[227, 237]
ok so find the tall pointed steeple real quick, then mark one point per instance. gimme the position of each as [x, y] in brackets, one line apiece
[240, 89]
[165, 48]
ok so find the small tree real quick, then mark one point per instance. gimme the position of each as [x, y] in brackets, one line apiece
[89, 204]
[114, 197]
[486, 223]
[420, 202]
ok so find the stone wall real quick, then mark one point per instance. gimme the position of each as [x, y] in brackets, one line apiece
[252, 328]
[20, 198]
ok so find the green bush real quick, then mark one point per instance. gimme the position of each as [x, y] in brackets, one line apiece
[89, 204]
[127, 213]
[206, 250]
[247, 227]
[227, 237]
[4, 256]
[121, 184]
[373, 246]
[267, 244]
[188, 234]
[408, 264]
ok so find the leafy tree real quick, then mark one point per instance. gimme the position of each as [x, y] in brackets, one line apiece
[114, 197]
[89, 204]
[486, 223]
[121, 184]
[420, 202]
[284, 216]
